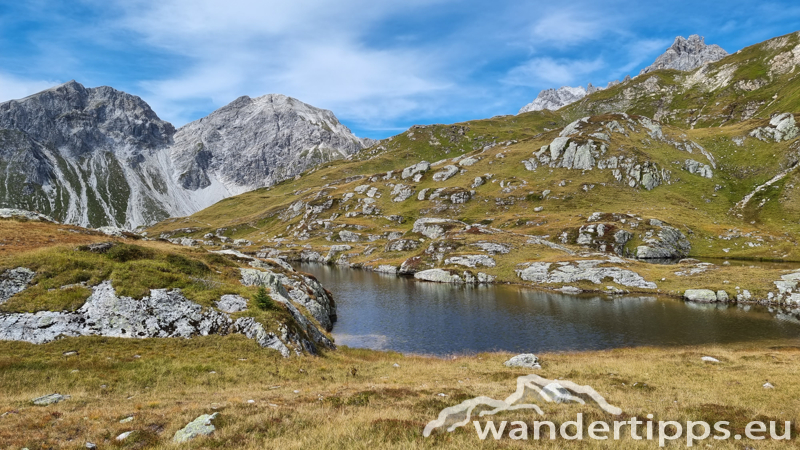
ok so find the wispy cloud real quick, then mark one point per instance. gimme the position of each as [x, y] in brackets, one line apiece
[548, 71]
[12, 87]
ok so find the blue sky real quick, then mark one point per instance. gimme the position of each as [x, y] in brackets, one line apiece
[380, 66]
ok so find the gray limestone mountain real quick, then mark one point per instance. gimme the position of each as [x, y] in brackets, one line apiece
[99, 156]
[554, 99]
[687, 54]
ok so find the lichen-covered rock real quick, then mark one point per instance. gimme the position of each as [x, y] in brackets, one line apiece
[14, 281]
[402, 193]
[402, 245]
[700, 295]
[202, 426]
[438, 276]
[781, 128]
[669, 244]
[386, 268]
[232, 303]
[349, 236]
[434, 227]
[586, 270]
[49, 399]
[468, 161]
[419, 168]
[493, 248]
[524, 360]
[471, 261]
[694, 167]
[446, 173]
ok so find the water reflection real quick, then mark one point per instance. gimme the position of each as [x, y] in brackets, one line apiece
[382, 311]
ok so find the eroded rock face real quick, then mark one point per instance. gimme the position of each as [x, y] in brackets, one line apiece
[588, 270]
[402, 245]
[14, 281]
[669, 243]
[687, 54]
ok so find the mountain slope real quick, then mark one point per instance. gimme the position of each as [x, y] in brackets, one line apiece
[98, 156]
[598, 179]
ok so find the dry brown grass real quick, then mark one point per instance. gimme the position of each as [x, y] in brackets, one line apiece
[381, 406]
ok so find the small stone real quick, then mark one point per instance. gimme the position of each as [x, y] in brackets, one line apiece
[296, 392]
[538, 209]
[396, 365]
[710, 359]
[251, 401]
[91, 445]
[126, 420]
[124, 436]
[70, 353]
[49, 399]
[526, 360]
[441, 395]
[768, 385]
[137, 356]
[198, 427]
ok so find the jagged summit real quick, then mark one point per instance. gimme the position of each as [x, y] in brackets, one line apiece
[271, 138]
[687, 54]
[553, 99]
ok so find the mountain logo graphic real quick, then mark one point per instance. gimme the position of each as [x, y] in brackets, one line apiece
[529, 388]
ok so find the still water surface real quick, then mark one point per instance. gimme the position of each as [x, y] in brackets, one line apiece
[385, 312]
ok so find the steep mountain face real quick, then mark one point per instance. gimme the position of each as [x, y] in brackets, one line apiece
[98, 156]
[687, 54]
[554, 99]
[253, 143]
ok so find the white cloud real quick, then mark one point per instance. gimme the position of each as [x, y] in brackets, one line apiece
[553, 72]
[12, 88]
[313, 50]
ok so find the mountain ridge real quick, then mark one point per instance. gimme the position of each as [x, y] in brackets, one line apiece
[99, 156]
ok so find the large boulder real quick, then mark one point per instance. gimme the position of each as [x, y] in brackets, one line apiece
[471, 261]
[700, 295]
[446, 173]
[524, 360]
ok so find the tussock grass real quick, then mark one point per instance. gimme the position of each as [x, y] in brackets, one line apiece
[353, 398]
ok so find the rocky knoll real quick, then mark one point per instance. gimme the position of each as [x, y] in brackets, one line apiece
[168, 313]
[101, 157]
[687, 54]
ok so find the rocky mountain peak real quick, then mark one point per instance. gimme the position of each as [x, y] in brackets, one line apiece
[553, 99]
[687, 54]
[84, 120]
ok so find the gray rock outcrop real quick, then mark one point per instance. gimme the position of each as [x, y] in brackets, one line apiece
[781, 128]
[687, 54]
[434, 228]
[586, 270]
[202, 426]
[14, 281]
[668, 243]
